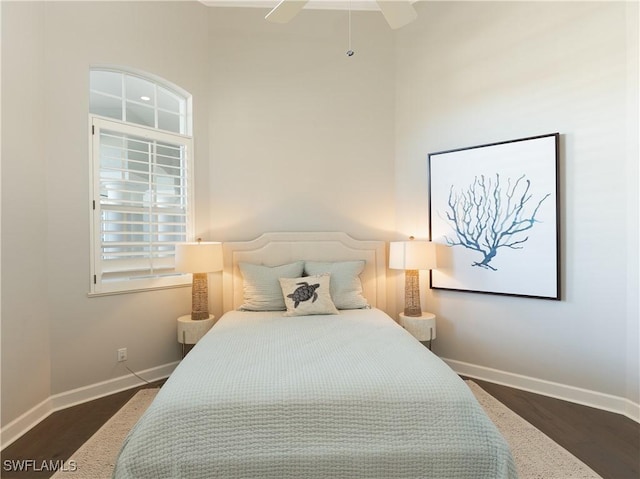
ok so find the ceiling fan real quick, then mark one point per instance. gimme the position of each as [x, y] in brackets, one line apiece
[397, 13]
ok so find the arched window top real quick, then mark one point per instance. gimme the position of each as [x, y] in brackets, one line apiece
[141, 189]
[139, 99]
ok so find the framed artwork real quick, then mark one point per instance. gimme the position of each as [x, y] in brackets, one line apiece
[494, 213]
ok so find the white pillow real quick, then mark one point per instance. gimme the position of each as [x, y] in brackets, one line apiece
[308, 295]
[261, 288]
[346, 287]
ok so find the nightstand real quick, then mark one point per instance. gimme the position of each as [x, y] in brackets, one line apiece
[423, 328]
[191, 331]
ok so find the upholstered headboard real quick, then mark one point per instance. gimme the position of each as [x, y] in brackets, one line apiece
[272, 249]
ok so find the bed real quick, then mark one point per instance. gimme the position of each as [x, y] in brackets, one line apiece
[321, 393]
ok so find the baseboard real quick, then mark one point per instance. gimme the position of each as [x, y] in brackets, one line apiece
[632, 410]
[573, 394]
[26, 421]
[29, 419]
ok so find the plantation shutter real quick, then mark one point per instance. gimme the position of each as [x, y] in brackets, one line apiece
[142, 209]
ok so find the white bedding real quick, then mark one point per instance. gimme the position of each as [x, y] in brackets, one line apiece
[349, 395]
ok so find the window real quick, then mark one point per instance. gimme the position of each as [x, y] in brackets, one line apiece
[141, 188]
[138, 100]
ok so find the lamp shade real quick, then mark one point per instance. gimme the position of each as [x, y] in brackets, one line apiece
[200, 257]
[412, 255]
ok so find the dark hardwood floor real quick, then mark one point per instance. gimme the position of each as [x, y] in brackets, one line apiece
[608, 443]
[60, 435]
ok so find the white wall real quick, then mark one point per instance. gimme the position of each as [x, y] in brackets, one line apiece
[472, 73]
[302, 136]
[26, 363]
[633, 202]
[60, 339]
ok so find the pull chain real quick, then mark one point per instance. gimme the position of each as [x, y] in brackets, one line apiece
[350, 52]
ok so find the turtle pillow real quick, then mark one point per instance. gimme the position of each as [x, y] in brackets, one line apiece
[307, 295]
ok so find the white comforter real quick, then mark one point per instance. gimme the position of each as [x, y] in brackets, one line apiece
[351, 395]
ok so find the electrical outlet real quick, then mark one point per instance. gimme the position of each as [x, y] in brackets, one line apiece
[122, 354]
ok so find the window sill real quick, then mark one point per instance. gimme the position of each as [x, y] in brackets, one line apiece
[137, 290]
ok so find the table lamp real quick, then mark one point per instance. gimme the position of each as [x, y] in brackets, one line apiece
[199, 258]
[412, 256]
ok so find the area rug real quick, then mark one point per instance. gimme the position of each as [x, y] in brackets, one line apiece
[535, 454]
[96, 458]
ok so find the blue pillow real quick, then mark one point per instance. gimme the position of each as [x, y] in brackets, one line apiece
[346, 287]
[261, 285]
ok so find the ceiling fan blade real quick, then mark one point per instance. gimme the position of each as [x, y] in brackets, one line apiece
[397, 13]
[285, 11]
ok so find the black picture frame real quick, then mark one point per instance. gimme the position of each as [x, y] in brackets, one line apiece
[494, 212]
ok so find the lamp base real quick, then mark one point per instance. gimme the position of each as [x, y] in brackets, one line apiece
[199, 297]
[412, 293]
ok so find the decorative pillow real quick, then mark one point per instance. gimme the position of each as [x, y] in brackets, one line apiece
[261, 288]
[346, 287]
[308, 295]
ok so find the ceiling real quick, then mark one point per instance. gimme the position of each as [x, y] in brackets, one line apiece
[313, 4]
